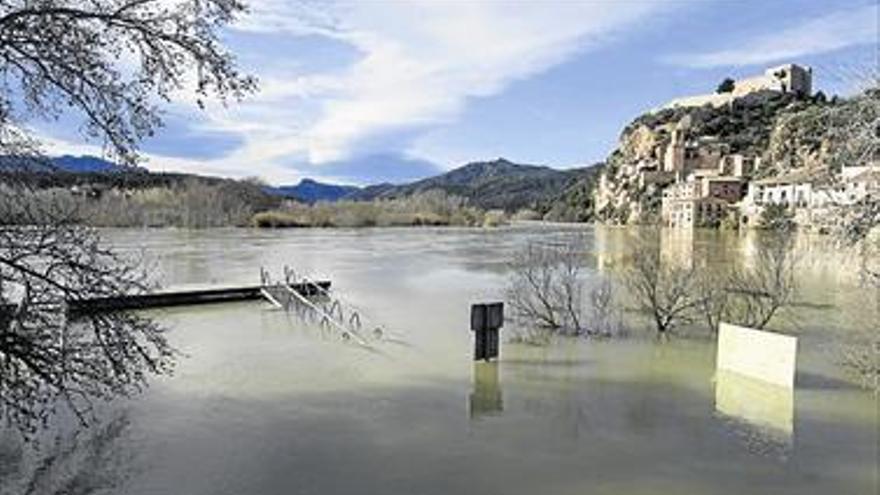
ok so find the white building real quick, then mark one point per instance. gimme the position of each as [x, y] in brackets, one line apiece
[810, 195]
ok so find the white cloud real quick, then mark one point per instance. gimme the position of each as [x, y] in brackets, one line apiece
[819, 35]
[424, 59]
[419, 63]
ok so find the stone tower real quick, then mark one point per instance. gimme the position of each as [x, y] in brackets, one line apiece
[674, 158]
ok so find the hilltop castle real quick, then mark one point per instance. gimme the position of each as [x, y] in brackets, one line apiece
[788, 78]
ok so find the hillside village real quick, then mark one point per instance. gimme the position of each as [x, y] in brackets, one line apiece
[708, 160]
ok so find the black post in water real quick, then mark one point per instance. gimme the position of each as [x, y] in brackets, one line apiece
[486, 320]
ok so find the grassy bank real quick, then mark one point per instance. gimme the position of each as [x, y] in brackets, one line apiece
[428, 208]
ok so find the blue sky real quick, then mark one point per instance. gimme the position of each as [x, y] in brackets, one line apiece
[393, 90]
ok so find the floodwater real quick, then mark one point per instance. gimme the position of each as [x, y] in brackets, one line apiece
[264, 404]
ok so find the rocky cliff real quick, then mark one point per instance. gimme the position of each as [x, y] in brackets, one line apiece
[779, 131]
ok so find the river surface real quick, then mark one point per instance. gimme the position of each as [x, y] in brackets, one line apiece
[264, 404]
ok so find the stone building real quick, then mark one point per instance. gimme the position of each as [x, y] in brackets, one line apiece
[700, 200]
[788, 78]
[738, 165]
[683, 155]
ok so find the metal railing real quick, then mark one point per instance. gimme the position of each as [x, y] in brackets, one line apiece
[325, 310]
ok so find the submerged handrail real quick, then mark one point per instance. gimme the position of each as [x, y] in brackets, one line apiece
[355, 314]
[326, 319]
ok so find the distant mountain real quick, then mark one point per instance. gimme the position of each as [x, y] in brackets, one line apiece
[65, 163]
[575, 203]
[494, 184]
[86, 164]
[393, 167]
[373, 191]
[311, 191]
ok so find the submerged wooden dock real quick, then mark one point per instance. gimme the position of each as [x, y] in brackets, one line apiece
[185, 298]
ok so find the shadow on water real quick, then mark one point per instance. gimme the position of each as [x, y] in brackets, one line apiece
[547, 363]
[815, 381]
[87, 461]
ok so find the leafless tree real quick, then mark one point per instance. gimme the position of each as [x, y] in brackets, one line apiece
[569, 291]
[57, 55]
[752, 295]
[47, 358]
[713, 297]
[755, 294]
[112, 63]
[551, 293]
[548, 287]
[531, 294]
[663, 289]
[605, 317]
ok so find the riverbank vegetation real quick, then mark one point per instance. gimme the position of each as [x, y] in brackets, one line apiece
[190, 203]
[110, 200]
[432, 208]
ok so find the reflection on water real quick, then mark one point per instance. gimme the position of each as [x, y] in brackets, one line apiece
[760, 413]
[262, 405]
[90, 461]
[485, 398]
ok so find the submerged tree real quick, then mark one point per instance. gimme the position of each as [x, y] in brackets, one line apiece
[544, 280]
[755, 294]
[751, 295]
[550, 291]
[112, 63]
[663, 289]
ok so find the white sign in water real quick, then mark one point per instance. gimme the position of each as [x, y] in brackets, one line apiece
[761, 355]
